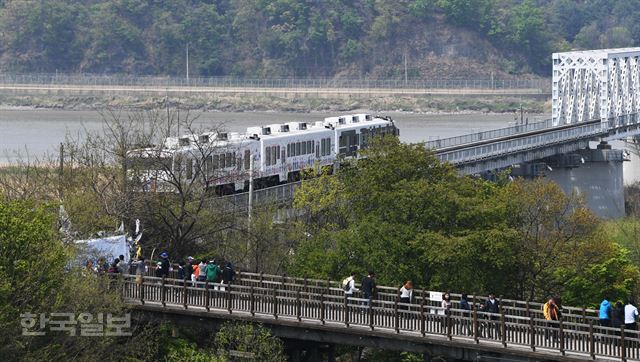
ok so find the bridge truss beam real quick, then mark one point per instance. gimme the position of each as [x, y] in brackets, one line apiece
[595, 84]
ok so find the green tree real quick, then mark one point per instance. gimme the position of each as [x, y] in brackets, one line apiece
[255, 340]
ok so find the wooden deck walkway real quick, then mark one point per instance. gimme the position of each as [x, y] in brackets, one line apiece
[519, 328]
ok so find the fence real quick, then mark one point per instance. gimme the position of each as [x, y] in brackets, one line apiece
[542, 86]
[291, 302]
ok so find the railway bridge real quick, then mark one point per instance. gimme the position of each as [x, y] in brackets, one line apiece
[595, 97]
[317, 314]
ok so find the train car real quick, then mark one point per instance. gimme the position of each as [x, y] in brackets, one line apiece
[289, 148]
[269, 155]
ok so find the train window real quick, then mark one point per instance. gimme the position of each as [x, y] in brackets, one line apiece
[233, 159]
[247, 159]
[304, 148]
[278, 154]
[297, 148]
[189, 168]
[267, 153]
[216, 161]
[309, 147]
[177, 164]
[289, 150]
[223, 163]
[274, 155]
[209, 163]
[317, 150]
[368, 117]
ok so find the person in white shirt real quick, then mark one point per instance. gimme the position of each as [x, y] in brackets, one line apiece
[406, 292]
[349, 285]
[630, 315]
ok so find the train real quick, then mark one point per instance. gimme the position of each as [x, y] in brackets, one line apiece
[225, 162]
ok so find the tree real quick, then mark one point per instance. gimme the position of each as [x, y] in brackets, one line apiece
[253, 339]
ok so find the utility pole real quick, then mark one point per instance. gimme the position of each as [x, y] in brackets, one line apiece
[166, 105]
[187, 63]
[61, 175]
[405, 68]
[250, 204]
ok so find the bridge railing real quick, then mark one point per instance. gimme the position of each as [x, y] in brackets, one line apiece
[383, 316]
[488, 135]
[503, 148]
[332, 291]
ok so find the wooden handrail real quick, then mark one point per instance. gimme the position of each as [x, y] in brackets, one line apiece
[394, 317]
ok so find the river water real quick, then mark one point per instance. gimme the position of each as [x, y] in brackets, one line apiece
[40, 131]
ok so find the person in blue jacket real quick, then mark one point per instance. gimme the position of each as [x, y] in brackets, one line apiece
[605, 312]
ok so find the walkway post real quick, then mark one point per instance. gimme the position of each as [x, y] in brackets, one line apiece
[298, 306]
[561, 335]
[371, 314]
[322, 308]
[592, 341]
[206, 295]
[623, 350]
[229, 298]
[184, 293]
[141, 289]
[397, 316]
[422, 316]
[503, 325]
[252, 302]
[346, 310]
[475, 321]
[275, 303]
[532, 333]
[163, 293]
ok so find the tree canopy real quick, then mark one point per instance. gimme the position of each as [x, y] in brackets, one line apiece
[297, 37]
[403, 215]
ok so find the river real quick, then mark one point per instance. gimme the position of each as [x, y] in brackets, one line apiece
[40, 131]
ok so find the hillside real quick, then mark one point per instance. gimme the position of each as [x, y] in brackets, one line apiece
[268, 38]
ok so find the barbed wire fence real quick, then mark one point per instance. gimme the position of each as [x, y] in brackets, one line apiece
[542, 86]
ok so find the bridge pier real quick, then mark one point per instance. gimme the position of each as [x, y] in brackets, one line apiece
[595, 173]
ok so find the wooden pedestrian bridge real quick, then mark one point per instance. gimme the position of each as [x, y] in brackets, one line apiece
[317, 311]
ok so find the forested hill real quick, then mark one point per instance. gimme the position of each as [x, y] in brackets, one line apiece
[267, 38]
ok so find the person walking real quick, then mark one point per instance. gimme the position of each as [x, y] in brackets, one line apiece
[211, 273]
[123, 266]
[551, 313]
[406, 293]
[630, 315]
[466, 312]
[446, 304]
[140, 268]
[349, 285]
[166, 265]
[202, 270]
[368, 287]
[492, 305]
[617, 315]
[188, 270]
[605, 312]
[227, 275]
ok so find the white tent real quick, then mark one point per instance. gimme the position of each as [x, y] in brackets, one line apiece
[108, 247]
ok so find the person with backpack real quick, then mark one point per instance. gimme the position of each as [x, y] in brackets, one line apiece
[349, 285]
[551, 314]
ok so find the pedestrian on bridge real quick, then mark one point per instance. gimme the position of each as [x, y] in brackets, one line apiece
[551, 314]
[188, 270]
[406, 293]
[211, 272]
[630, 315]
[617, 315]
[202, 271]
[368, 287]
[492, 305]
[349, 285]
[605, 312]
[227, 275]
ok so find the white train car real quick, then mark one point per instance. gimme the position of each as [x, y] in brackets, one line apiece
[287, 149]
[222, 161]
[353, 132]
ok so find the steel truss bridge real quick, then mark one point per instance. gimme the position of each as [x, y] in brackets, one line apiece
[317, 310]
